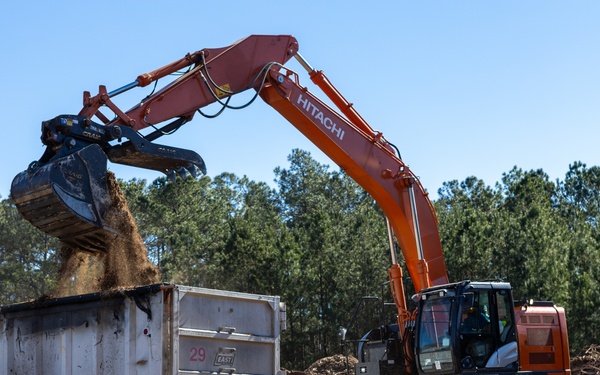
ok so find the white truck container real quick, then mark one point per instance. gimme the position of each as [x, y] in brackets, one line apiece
[155, 329]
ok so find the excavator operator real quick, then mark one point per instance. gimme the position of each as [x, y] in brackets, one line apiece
[474, 320]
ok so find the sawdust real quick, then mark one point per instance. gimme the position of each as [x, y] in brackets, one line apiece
[124, 264]
[334, 365]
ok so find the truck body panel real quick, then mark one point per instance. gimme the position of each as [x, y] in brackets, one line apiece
[155, 329]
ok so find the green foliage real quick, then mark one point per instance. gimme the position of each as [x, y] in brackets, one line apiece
[470, 230]
[579, 204]
[28, 258]
[340, 236]
[320, 242]
[535, 238]
[539, 235]
[185, 226]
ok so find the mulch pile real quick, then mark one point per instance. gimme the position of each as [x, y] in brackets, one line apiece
[588, 362]
[334, 365]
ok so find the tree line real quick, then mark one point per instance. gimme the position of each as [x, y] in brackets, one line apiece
[320, 242]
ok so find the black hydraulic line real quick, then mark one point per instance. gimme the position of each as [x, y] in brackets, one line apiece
[168, 129]
[223, 107]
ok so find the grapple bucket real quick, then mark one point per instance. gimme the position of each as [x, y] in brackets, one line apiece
[68, 198]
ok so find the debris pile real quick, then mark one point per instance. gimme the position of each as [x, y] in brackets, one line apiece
[334, 365]
[588, 362]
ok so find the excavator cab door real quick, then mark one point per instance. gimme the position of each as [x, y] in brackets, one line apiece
[486, 337]
[466, 327]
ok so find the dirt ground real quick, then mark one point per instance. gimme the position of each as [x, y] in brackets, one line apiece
[586, 363]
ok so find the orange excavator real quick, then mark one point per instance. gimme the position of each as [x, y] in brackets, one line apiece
[462, 327]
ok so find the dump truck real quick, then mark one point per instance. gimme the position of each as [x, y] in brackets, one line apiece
[153, 329]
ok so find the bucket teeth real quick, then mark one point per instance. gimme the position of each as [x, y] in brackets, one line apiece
[182, 172]
[172, 176]
[193, 171]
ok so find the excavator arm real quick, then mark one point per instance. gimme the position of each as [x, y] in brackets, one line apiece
[65, 194]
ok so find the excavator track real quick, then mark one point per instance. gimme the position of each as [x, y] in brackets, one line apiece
[66, 198]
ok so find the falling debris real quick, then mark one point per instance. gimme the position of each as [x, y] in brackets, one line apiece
[124, 264]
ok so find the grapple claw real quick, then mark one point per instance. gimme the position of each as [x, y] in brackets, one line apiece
[138, 152]
[193, 170]
[182, 172]
[171, 175]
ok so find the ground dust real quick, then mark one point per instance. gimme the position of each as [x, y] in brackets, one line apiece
[124, 264]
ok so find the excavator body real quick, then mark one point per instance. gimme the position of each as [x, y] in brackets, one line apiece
[65, 194]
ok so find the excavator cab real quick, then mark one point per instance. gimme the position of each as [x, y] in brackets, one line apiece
[466, 327]
[477, 327]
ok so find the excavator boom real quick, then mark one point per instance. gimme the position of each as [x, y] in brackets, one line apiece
[366, 156]
[65, 192]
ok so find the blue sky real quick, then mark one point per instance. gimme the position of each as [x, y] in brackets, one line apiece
[463, 88]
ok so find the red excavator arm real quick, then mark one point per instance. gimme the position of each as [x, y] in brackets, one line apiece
[213, 74]
[65, 194]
